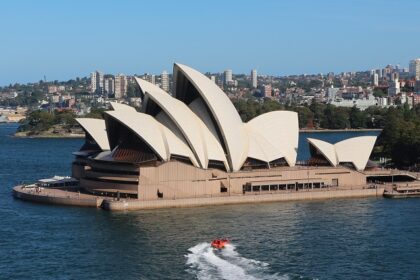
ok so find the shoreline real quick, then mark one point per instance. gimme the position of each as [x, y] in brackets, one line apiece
[75, 136]
[341, 130]
[71, 136]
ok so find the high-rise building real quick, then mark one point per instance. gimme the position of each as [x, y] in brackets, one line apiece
[109, 86]
[254, 78]
[266, 90]
[379, 72]
[395, 76]
[97, 82]
[213, 78]
[165, 81]
[375, 79]
[228, 76]
[414, 68]
[153, 79]
[121, 85]
[394, 88]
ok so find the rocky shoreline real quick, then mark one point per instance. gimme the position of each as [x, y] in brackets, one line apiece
[27, 134]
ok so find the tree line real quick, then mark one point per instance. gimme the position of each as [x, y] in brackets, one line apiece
[399, 140]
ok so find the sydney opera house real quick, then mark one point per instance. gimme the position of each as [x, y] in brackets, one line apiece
[193, 143]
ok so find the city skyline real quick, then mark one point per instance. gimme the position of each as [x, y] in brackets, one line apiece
[69, 39]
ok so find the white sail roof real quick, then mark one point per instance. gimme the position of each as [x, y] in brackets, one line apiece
[326, 149]
[277, 135]
[159, 138]
[202, 142]
[96, 128]
[355, 150]
[224, 113]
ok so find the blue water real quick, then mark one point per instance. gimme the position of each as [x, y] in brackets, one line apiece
[332, 239]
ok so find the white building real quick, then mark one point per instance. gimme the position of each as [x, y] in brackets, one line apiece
[254, 78]
[362, 104]
[228, 76]
[375, 79]
[332, 93]
[394, 88]
[165, 81]
[382, 101]
[96, 82]
[414, 68]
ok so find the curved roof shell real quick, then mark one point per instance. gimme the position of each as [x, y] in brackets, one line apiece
[226, 118]
[274, 135]
[326, 149]
[355, 150]
[96, 129]
[202, 142]
[158, 137]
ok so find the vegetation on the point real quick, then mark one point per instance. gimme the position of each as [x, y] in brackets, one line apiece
[58, 122]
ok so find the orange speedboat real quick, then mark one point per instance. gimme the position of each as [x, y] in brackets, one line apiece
[219, 243]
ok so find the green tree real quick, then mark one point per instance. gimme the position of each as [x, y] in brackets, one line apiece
[357, 118]
[305, 116]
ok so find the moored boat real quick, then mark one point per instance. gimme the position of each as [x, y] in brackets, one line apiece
[403, 192]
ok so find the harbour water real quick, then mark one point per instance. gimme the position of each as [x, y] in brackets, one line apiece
[332, 239]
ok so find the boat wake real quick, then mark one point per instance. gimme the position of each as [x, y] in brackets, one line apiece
[206, 263]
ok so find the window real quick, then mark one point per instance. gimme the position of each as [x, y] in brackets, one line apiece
[291, 186]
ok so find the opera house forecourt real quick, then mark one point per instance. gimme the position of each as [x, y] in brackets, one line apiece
[192, 149]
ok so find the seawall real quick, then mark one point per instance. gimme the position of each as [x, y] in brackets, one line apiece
[114, 205]
[58, 197]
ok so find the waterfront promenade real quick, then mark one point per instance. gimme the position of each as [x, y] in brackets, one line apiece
[74, 198]
[57, 196]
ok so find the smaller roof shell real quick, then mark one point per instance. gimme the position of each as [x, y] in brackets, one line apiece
[355, 150]
[326, 149]
[158, 137]
[95, 128]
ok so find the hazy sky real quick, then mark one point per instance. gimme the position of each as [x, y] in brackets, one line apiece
[63, 39]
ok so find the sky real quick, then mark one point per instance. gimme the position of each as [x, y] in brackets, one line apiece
[71, 38]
